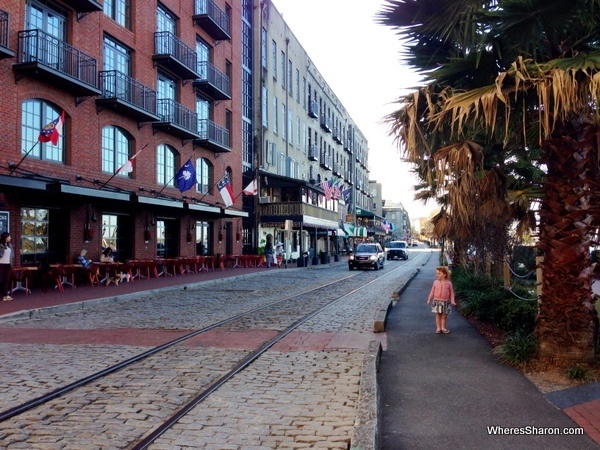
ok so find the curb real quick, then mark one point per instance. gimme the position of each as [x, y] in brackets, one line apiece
[381, 315]
[365, 433]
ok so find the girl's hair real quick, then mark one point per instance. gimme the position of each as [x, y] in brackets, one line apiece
[107, 251]
[3, 237]
[444, 271]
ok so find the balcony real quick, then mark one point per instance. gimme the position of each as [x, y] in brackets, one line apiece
[51, 60]
[212, 82]
[213, 137]
[172, 53]
[127, 96]
[84, 6]
[176, 119]
[348, 177]
[313, 109]
[212, 19]
[5, 52]
[337, 169]
[326, 162]
[297, 212]
[326, 123]
[337, 135]
[313, 152]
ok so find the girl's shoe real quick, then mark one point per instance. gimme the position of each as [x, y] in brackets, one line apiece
[445, 331]
[7, 298]
[438, 331]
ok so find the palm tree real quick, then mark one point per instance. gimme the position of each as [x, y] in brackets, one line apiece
[530, 71]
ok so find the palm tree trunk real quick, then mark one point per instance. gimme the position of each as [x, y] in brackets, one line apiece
[566, 324]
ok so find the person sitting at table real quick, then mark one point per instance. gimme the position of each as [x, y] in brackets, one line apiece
[107, 256]
[81, 259]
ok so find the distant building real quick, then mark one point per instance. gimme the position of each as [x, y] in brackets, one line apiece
[396, 213]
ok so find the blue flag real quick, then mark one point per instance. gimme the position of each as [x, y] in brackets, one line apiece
[186, 177]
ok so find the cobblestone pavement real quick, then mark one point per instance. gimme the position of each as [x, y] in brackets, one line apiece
[303, 393]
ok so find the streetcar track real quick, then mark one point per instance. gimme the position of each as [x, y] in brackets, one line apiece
[214, 384]
[19, 409]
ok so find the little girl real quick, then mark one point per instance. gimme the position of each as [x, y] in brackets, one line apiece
[440, 299]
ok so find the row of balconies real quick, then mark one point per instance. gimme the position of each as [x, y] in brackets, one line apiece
[326, 162]
[43, 56]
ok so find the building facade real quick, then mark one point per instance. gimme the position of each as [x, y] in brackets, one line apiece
[306, 139]
[153, 83]
[137, 89]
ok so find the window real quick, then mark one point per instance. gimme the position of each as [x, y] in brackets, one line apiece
[203, 112]
[48, 17]
[291, 127]
[165, 21]
[275, 119]
[109, 232]
[263, 48]
[290, 83]
[283, 70]
[166, 90]
[116, 56]
[35, 115]
[116, 149]
[203, 52]
[119, 11]
[298, 132]
[165, 165]
[265, 107]
[202, 238]
[297, 86]
[34, 234]
[274, 56]
[203, 176]
[283, 122]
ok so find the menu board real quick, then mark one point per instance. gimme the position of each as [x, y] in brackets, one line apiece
[4, 216]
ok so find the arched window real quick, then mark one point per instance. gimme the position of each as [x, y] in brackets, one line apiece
[116, 149]
[165, 165]
[204, 176]
[35, 115]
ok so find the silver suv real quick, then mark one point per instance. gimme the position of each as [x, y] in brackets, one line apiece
[398, 249]
[367, 255]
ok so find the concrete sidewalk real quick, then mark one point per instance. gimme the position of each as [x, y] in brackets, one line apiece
[448, 391]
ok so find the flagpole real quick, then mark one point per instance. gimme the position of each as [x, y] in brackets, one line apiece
[23, 158]
[115, 174]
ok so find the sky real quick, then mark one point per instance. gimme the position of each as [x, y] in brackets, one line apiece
[361, 62]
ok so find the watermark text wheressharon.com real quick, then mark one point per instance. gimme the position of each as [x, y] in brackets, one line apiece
[530, 429]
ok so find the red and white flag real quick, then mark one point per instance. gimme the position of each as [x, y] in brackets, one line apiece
[128, 166]
[52, 131]
[252, 188]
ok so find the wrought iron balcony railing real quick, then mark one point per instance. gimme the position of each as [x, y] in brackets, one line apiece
[213, 136]
[41, 54]
[212, 19]
[176, 119]
[213, 82]
[171, 52]
[5, 52]
[123, 93]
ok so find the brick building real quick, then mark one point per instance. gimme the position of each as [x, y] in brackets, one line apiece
[158, 81]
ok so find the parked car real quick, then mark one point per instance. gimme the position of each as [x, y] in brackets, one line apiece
[367, 255]
[397, 250]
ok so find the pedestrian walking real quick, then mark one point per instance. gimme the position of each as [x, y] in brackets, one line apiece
[269, 253]
[440, 298]
[7, 255]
